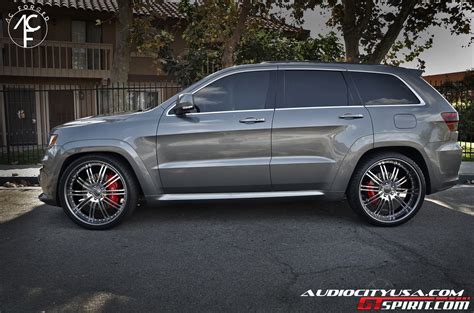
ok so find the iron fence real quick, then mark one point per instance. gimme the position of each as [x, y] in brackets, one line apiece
[461, 96]
[29, 112]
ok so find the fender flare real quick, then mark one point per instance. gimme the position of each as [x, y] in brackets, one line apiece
[147, 182]
[366, 144]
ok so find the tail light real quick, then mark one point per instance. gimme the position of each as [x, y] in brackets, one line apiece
[451, 119]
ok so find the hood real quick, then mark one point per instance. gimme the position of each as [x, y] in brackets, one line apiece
[99, 119]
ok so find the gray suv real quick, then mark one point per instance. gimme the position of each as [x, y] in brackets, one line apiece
[379, 135]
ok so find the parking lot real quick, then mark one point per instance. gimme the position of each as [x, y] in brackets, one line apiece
[227, 255]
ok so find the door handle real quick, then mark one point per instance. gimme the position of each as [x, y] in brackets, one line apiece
[349, 116]
[252, 120]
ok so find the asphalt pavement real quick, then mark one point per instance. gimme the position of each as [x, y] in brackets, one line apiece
[253, 255]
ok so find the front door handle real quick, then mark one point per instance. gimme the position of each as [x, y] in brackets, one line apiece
[349, 116]
[252, 120]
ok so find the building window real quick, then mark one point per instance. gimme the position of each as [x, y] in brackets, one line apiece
[120, 100]
[78, 34]
[82, 32]
[142, 100]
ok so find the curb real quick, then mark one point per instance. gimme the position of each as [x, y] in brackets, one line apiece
[463, 178]
[19, 180]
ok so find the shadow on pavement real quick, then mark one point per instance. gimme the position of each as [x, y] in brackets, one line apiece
[257, 255]
[256, 210]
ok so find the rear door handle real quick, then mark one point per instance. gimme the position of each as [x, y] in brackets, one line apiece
[349, 116]
[252, 120]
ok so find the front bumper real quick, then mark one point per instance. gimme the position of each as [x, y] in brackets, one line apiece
[49, 175]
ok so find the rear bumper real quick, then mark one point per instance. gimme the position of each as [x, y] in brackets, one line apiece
[444, 163]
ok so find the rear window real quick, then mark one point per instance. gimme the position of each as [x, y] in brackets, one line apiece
[314, 88]
[383, 89]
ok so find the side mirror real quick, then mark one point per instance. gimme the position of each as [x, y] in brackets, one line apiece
[184, 104]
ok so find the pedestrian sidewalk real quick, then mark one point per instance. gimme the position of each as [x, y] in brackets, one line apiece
[29, 173]
[19, 170]
[19, 174]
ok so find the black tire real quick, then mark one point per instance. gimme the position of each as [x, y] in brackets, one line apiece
[129, 180]
[355, 189]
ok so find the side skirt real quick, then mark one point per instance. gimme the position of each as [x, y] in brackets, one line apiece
[238, 195]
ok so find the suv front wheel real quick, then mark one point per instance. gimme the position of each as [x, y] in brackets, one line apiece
[387, 189]
[98, 191]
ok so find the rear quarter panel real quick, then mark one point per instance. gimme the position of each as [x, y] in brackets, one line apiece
[418, 126]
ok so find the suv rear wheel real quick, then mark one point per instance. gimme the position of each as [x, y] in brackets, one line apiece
[98, 191]
[387, 189]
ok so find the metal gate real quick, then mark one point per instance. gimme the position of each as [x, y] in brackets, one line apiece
[29, 112]
[21, 119]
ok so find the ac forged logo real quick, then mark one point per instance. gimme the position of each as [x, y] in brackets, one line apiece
[28, 26]
[400, 299]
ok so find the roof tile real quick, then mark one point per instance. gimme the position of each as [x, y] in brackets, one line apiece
[165, 9]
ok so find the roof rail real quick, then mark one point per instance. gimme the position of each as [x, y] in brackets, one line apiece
[321, 62]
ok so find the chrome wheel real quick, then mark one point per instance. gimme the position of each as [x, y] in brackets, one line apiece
[390, 190]
[95, 193]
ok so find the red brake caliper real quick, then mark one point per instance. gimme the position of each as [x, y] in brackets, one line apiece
[371, 193]
[114, 186]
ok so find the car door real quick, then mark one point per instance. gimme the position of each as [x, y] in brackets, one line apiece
[314, 126]
[225, 145]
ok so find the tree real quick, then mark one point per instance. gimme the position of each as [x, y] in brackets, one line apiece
[231, 42]
[151, 39]
[260, 45]
[376, 32]
[221, 23]
[256, 45]
[221, 33]
[121, 59]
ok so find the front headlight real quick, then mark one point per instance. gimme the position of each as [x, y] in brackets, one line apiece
[52, 140]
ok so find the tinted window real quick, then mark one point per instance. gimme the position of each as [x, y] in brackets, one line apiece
[242, 91]
[314, 88]
[380, 89]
